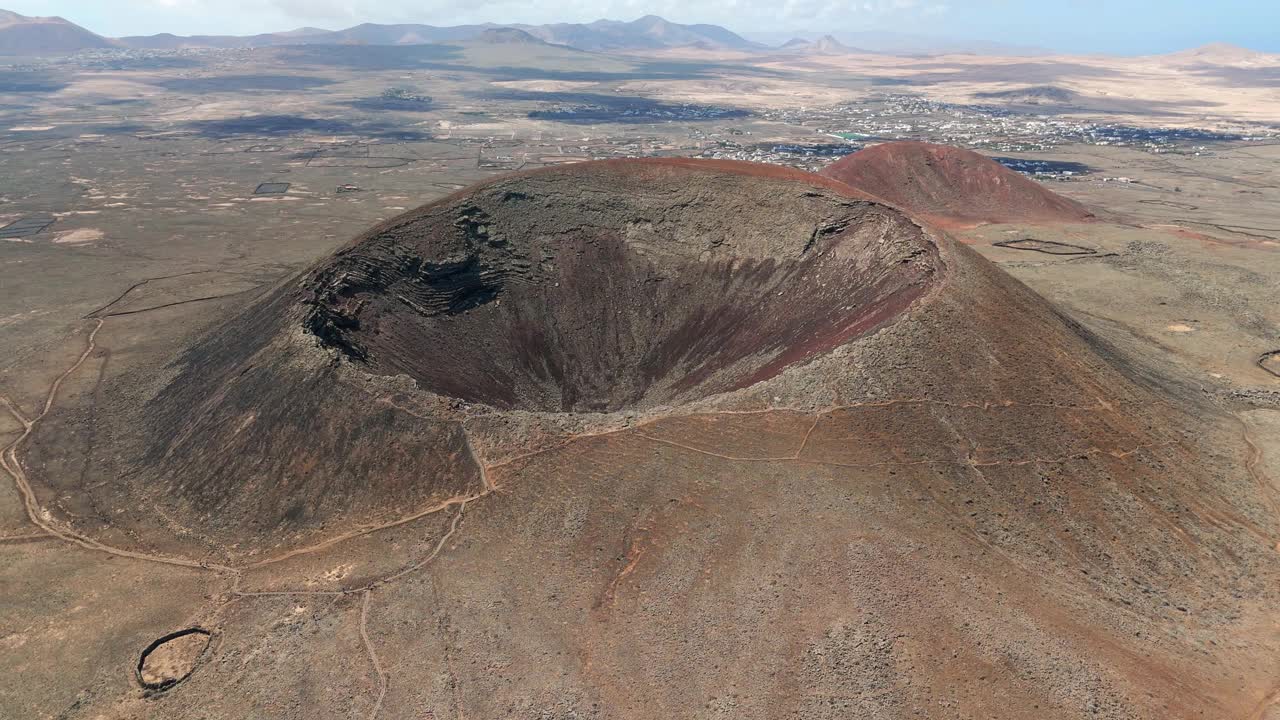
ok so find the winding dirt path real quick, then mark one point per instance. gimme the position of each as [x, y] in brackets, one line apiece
[366, 593]
[1267, 490]
[1264, 707]
[1118, 454]
[373, 655]
[40, 517]
[372, 584]
[1252, 462]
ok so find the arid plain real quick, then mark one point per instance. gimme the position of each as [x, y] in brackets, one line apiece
[1108, 545]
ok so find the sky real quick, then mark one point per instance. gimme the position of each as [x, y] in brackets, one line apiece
[1113, 26]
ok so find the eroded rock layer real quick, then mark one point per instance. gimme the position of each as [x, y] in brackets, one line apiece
[617, 286]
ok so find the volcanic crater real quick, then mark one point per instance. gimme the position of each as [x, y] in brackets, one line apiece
[618, 285]
[850, 460]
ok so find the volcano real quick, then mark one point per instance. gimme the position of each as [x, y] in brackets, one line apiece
[952, 187]
[21, 35]
[685, 438]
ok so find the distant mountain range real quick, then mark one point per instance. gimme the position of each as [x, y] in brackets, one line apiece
[21, 35]
[893, 43]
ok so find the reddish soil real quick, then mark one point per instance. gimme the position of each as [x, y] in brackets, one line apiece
[952, 187]
[677, 439]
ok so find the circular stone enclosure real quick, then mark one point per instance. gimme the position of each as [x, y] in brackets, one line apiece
[1270, 361]
[620, 284]
[170, 659]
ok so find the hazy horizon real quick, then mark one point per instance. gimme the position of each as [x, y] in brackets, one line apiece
[1083, 26]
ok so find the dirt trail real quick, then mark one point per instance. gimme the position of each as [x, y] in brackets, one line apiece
[1267, 490]
[372, 584]
[351, 535]
[373, 655]
[1264, 707]
[39, 516]
[1265, 487]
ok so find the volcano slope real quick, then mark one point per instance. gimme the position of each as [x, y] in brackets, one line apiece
[675, 438]
[952, 187]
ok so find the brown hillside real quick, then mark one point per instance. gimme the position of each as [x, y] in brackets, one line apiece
[952, 187]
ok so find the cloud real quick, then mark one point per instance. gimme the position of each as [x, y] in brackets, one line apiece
[321, 9]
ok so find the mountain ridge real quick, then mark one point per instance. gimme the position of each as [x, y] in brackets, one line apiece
[22, 35]
[645, 33]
